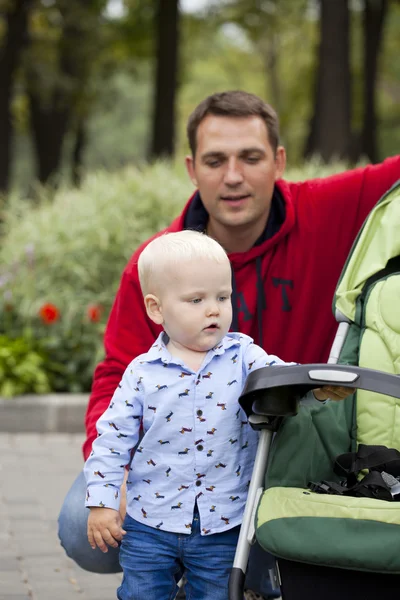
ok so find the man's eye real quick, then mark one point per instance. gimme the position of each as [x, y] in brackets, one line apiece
[253, 159]
[213, 163]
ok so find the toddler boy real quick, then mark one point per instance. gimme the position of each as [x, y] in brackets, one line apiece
[188, 481]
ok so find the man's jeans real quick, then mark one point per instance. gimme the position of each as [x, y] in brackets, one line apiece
[153, 566]
[72, 527]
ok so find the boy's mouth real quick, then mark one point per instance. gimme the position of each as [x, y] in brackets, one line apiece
[212, 326]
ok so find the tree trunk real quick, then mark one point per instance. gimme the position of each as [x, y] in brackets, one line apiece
[77, 152]
[16, 29]
[271, 57]
[167, 27]
[49, 126]
[373, 21]
[330, 130]
[51, 115]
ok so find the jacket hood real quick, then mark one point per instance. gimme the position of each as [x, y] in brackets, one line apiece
[280, 221]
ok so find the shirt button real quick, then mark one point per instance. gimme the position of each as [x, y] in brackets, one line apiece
[198, 482]
[200, 447]
[199, 413]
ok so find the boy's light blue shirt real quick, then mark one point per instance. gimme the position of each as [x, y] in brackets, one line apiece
[197, 444]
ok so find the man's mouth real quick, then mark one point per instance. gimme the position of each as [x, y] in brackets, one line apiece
[234, 197]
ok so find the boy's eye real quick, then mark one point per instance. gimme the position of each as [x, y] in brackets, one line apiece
[196, 300]
[222, 298]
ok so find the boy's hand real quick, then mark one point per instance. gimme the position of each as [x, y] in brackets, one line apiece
[333, 392]
[104, 527]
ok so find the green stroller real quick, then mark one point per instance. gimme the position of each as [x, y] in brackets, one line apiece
[324, 496]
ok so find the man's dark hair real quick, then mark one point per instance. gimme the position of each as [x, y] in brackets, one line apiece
[235, 103]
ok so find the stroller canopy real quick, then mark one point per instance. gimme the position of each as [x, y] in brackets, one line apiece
[377, 243]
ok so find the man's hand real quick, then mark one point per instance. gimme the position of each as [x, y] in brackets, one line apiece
[104, 527]
[333, 392]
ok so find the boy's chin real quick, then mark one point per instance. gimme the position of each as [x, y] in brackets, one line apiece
[209, 341]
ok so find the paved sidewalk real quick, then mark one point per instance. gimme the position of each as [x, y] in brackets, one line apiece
[36, 471]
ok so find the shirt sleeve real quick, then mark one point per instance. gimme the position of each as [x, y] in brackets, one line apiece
[256, 358]
[118, 434]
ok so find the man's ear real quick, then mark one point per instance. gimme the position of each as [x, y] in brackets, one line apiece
[153, 308]
[189, 162]
[280, 162]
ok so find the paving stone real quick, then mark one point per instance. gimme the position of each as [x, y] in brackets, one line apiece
[36, 472]
[12, 595]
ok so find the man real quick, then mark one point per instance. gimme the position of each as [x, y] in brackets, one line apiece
[287, 243]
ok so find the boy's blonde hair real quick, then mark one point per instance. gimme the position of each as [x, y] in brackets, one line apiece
[171, 249]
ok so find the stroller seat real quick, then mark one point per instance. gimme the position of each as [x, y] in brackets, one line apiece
[322, 532]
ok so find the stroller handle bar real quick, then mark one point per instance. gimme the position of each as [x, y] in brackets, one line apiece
[276, 390]
[274, 393]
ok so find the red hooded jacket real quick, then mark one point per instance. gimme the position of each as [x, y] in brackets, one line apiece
[283, 286]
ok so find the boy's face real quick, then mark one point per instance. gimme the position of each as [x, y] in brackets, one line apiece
[195, 303]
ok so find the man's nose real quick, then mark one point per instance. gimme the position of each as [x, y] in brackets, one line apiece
[233, 173]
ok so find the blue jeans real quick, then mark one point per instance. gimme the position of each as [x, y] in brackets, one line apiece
[72, 526]
[153, 561]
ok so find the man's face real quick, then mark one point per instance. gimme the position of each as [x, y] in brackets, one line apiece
[235, 170]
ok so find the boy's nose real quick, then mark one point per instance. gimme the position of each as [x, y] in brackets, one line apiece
[213, 309]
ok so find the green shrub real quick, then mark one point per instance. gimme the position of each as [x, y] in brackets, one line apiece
[22, 368]
[68, 252]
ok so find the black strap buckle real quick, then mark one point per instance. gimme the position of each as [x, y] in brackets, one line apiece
[320, 488]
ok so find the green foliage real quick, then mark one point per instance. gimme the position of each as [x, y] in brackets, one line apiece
[73, 351]
[68, 254]
[264, 46]
[389, 84]
[22, 368]
[119, 124]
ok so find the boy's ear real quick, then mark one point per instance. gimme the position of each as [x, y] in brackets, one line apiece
[153, 308]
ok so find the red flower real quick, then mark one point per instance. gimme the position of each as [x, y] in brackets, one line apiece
[49, 313]
[94, 312]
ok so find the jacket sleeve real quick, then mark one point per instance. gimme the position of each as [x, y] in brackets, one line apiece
[345, 200]
[129, 332]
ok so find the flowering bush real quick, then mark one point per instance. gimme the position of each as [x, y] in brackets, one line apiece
[61, 261]
[60, 264]
[68, 347]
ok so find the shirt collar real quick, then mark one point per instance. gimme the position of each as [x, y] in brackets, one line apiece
[158, 351]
